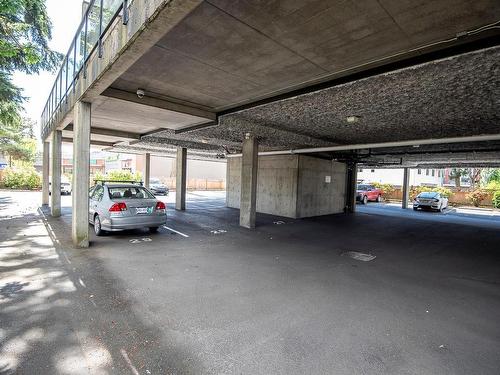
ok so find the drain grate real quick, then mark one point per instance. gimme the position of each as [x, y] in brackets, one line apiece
[359, 256]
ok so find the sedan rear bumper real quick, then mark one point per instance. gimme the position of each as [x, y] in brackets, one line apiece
[122, 223]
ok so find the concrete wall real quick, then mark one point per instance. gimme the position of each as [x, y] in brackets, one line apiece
[276, 184]
[321, 187]
[292, 185]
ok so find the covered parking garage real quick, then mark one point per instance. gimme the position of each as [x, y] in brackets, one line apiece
[294, 97]
[305, 102]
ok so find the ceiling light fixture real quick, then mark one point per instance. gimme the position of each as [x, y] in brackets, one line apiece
[352, 119]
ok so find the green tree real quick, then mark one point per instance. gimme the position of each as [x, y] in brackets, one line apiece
[17, 140]
[457, 173]
[25, 30]
[494, 175]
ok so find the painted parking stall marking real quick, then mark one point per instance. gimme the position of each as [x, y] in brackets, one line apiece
[139, 240]
[359, 256]
[176, 231]
[218, 231]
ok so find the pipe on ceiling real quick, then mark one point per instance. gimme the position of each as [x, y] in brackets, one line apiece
[416, 143]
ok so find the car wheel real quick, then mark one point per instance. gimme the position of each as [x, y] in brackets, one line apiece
[379, 198]
[364, 200]
[153, 229]
[97, 226]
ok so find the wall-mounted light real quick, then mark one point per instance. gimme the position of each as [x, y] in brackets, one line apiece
[352, 119]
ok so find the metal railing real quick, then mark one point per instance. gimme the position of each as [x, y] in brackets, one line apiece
[96, 20]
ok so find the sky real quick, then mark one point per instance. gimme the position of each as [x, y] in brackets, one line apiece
[65, 16]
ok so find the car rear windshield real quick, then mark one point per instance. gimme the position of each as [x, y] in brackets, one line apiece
[428, 195]
[363, 187]
[128, 192]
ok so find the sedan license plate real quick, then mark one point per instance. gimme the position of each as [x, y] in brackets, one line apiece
[143, 210]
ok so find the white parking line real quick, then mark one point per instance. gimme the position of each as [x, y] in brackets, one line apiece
[173, 230]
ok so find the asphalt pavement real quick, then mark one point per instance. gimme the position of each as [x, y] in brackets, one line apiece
[382, 291]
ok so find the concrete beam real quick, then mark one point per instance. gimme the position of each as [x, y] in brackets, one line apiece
[406, 188]
[45, 174]
[55, 181]
[248, 197]
[109, 132]
[151, 101]
[147, 169]
[81, 175]
[180, 179]
[92, 142]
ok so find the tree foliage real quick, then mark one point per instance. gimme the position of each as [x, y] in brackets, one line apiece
[17, 140]
[457, 173]
[25, 30]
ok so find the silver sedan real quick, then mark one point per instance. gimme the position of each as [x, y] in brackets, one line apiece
[119, 206]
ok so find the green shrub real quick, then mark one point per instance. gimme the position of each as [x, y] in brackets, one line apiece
[416, 190]
[493, 185]
[476, 196]
[118, 175]
[387, 189]
[496, 199]
[22, 178]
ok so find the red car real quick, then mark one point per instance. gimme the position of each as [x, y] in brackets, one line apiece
[365, 193]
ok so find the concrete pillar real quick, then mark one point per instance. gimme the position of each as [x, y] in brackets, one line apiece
[81, 174]
[180, 179]
[351, 187]
[45, 174]
[248, 197]
[147, 169]
[55, 178]
[406, 188]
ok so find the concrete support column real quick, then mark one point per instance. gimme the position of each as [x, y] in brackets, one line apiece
[249, 166]
[55, 178]
[45, 174]
[351, 187]
[406, 188]
[147, 169]
[180, 179]
[81, 174]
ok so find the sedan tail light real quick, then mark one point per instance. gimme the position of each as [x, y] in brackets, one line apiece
[160, 206]
[118, 207]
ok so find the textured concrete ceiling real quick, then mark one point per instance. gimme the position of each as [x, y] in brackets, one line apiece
[455, 97]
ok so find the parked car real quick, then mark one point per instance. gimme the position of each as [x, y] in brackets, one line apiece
[365, 193]
[157, 187]
[431, 200]
[65, 187]
[117, 206]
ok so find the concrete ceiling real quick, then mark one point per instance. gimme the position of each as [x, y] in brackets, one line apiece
[226, 56]
[229, 52]
[454, 97]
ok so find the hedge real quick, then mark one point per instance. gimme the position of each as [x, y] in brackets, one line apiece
[21, 178]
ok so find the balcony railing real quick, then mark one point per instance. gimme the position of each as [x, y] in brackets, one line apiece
[96, 20]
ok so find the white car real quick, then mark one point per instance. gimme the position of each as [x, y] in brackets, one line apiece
[66, 187]
[431, 200]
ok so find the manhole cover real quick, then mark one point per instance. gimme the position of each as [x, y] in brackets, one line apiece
[359, 256]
